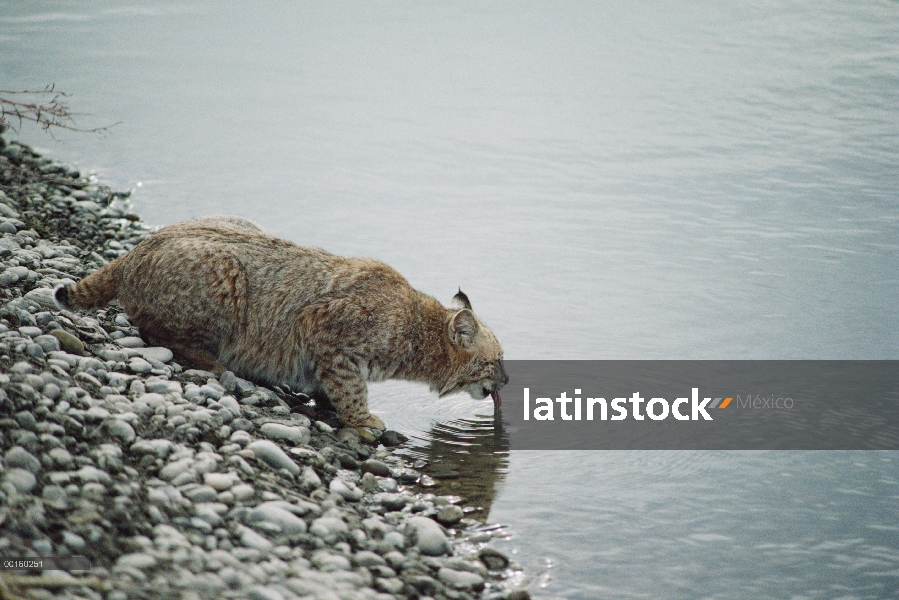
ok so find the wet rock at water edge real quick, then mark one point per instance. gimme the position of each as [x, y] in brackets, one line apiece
[392, 438]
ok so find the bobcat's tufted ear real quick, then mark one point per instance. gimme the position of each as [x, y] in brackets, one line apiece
[461, 300]
[463, 327]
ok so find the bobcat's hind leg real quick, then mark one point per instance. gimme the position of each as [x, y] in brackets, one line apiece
[343, 384]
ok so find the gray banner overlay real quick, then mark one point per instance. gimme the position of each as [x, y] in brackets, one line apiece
[43, 563]
[683, 405]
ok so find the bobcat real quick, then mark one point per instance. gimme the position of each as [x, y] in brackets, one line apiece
[223, 294]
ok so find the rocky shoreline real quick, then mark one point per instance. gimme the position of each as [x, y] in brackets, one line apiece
[176, 483]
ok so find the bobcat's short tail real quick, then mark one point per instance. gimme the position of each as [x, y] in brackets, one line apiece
[96, 290]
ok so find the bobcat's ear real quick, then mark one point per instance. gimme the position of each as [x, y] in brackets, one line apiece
[463, 327]
[461, 300]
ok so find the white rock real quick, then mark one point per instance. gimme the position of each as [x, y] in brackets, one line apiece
[277, 431]
[427, 536]
[271, 454]
[220, 481]
[273, 513]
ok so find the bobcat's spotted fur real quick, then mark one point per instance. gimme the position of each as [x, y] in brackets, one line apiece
[223, 294]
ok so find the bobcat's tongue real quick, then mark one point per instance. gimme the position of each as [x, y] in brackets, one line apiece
[497, 401]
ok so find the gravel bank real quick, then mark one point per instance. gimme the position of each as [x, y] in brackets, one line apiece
[176, 483]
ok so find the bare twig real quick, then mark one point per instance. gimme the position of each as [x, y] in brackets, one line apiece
[48, 108]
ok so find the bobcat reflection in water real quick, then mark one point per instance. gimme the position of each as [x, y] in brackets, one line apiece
[466, 458]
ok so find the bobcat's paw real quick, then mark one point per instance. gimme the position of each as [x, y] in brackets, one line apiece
[373, 421]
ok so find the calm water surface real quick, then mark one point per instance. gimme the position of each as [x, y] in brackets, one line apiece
[604, 180]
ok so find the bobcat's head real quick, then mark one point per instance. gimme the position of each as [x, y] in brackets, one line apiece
[480, 370]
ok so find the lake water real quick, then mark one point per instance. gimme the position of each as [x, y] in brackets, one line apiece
[605, 180]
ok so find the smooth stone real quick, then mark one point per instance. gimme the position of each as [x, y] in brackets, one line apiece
[376, 467]
[347, 491]
[68, 342]
[156, 353]
[493, 559]
[173, 469]
[220, 481]
[329, 529]
[449, 515]
[203, 493]
[31, 332]
[367, 558]
[121, 430]
[461, 580]
[251, 539]
[48, 343]
[136, 560]
[90, 473]
[259, 592]
[243, 492]
[228, 380]
[26, 419]
[43, 297]
[131, 341]
[390, 501]
[273, 513]
[73, 540]
[272, 455]
[55, 496]
[427, 536]
[277, 431]
[392, 438]
[61, 457]
[388, 484]
[18, 457]
[22, 479]
[139, 365]
[241, 424]
[328, 561]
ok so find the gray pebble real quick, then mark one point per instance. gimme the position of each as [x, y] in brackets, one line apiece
[251, 539]
[26, 420]
[203, 493]
[275, 512]
[493, 558]
[22, 479]
[139, 365]
[242, 492]
[131, 342]
[158, 354]
[55, 496]
[48, 343]
[136, 560]
[348, 491]
[427, 536]
[449, 515]
[173, 469]
[460, 580]
[271, 454]
[21, 458]
[277, 431]
[121, 430]
[229, 381]
[376, 467]
[242, 424]
[72, 540]
[220, 481]
[30, 331]
[330, 529]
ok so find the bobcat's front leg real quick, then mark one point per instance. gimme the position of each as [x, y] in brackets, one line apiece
[345, 387]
